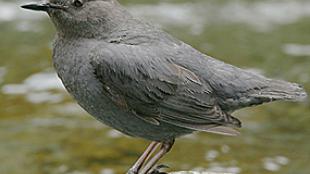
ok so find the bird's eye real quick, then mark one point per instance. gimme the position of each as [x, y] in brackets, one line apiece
[78, 3]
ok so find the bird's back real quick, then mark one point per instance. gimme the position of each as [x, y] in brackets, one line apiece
[233, 87]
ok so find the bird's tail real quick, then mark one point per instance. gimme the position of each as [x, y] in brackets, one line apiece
[282, 90]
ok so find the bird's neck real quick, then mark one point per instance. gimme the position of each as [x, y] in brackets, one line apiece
[96, 29]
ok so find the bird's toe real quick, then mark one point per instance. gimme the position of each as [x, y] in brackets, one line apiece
[158, 169]
[132, 171]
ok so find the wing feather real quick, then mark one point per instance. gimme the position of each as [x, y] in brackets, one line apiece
[157, 89]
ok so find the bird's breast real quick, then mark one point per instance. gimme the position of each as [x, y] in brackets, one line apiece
[72, 65]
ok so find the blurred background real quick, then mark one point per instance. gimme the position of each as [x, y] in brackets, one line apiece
[43, 131]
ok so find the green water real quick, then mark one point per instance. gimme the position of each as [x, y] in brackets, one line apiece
[43, 131]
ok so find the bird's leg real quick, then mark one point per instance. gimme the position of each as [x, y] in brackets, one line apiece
[152, 152]
[165, 148]
[144, 157]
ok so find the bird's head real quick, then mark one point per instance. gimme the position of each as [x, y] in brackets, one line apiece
[83, 18]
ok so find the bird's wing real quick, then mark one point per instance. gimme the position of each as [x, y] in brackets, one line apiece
[238, 88]
[145, 80]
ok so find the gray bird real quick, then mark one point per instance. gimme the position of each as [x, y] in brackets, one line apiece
[145, 83]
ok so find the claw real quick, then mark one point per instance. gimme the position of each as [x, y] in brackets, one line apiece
[162, 166]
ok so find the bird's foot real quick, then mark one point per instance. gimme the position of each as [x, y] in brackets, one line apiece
[157, 169]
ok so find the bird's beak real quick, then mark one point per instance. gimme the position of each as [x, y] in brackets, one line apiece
[43, 6]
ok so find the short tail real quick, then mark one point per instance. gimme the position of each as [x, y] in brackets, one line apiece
[281, 90]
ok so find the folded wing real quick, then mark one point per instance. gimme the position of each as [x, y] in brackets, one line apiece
[157, 89]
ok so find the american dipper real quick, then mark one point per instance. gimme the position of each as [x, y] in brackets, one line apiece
[145, 83]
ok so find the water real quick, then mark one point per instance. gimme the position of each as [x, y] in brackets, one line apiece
[43, 131]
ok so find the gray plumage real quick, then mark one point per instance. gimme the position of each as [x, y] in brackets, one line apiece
[145, 83]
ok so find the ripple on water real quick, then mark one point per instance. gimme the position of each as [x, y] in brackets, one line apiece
[211, 155]
[114, 134]
[42, 97]
[107, 171]
[225, 149]
[297, 50]
[261, 15]
[37, 88]
[218, 168]
[10, 11]
[275, 163]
